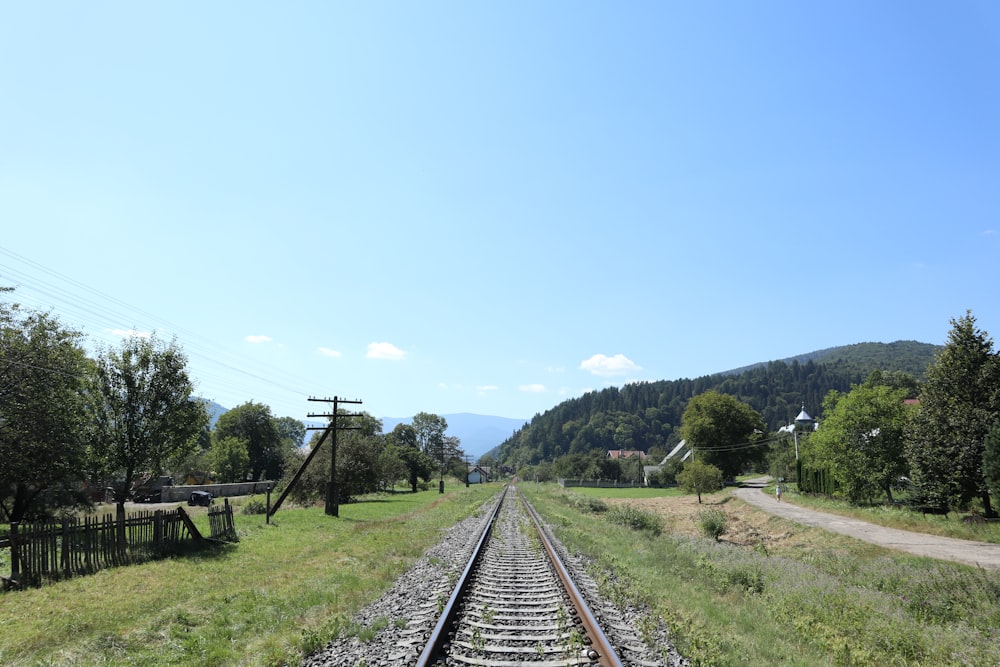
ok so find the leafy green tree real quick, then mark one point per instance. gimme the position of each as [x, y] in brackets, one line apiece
[292, 433]
[723, 431]
[364, 463]
[253, 423]
[417, 464]
[430, 429]
[442, 449]
[229, 458]
[43, 453]
[699, 477]
[862, 439]
[959, 403]
[144, 414]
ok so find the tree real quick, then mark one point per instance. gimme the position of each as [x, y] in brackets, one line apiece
[429, 429]
[229, 458]
[43, 454]
[254, 424]
[959, 403]
[723, 431]
[292, 433]
[363, 463]
[417, 464]
[144, 415]
[991, 459]
[862, 439]
[699, 477]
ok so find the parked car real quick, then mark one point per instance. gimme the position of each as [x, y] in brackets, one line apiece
[203, 498]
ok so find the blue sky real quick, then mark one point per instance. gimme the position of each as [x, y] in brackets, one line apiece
[493, 207]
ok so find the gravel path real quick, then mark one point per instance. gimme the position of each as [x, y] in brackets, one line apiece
[981, 554]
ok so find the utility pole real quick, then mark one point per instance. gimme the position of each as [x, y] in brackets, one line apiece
[332, 489]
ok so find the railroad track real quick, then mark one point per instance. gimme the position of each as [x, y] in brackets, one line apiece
[516, 604]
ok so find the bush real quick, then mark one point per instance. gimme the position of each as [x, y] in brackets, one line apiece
[636, 519]
[254, 506]
[583, 503]
[713, 523]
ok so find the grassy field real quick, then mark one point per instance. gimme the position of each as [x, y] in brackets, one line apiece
[768, 592]
[279, 594]
[773, 592]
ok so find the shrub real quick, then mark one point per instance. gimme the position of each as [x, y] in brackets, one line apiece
[254, 506]
[583, 503]
[636, 519]
[713, 523]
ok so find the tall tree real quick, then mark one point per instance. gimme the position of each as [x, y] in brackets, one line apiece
[144, 412]
[862, 439]
[991, 459]
[723, 431]
[292, 432]
[418, 465]
[959, 403]
[229, 458]
[42, 448]
[254, 424]
[429, 429]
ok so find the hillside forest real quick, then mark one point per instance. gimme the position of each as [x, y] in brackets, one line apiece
[905, 418]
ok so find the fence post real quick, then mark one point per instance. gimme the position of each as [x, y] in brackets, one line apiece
[15, 557]
[158, 531]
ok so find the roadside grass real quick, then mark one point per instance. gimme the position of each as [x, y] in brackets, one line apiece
[950, 525]
[783, 594]
[279, 594]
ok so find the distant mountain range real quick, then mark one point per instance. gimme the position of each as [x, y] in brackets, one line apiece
[477, 433]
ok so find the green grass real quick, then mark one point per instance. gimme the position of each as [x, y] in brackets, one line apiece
[845, 604]
[280, 593]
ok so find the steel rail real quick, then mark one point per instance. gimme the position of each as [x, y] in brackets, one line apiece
[606, 654]
[439, 636]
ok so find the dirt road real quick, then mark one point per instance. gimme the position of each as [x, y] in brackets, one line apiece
[982, 554]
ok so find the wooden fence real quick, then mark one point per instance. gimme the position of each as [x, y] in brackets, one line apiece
[54, 550]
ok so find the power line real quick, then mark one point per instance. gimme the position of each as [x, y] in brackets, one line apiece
[43, 288]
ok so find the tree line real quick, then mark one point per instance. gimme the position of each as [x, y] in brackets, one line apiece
[647, 415]
[935, 437]
[72, 426]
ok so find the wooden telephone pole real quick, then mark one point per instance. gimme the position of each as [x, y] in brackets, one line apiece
[332, 488]
[332, 492]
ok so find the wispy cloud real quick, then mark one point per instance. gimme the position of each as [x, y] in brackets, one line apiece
[327, 352]
[532, 388]
[258, 339]
[130, 333]
[385, 351]
[605, 366]
[484, 389]
[990, 232]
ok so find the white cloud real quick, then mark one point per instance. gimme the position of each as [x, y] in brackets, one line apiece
[130, 333]
[327, 352]
[605, 366]
[385, 351]
[532, 388]
[483, 389]
[258, 339]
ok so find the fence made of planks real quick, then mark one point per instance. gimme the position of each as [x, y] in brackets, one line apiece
[59, 549]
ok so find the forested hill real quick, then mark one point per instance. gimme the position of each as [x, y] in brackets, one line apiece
[908, 356]
[648, 414]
